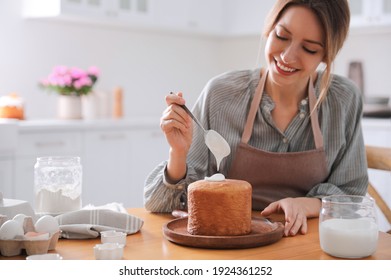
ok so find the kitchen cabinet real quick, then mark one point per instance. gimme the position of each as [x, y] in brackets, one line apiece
[203, 17]
[94, 11]
[196, 16]
[149, 148]
[377, 132]
[116, 157]
[370, 13]
[117, 161]
[6, 177]
[107, 171]
[178, 15]
[8, 137]
[245, 17]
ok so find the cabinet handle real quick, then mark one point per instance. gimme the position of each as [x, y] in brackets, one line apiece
[49, 144]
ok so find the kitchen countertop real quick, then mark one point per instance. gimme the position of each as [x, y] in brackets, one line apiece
[54, 124]
[150, 244]
[376, 123]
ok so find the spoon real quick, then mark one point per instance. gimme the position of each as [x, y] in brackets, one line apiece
[213, 140]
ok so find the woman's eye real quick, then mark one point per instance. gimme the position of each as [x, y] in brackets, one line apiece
[309, 51]
[280, 37]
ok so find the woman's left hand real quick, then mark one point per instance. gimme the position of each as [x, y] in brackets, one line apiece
[296, 211]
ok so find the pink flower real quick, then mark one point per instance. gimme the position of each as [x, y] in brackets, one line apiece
[77, 73]
[53, 80]
[60, 70]
[94, 71]
[67, 80]
[71, 81]
[82, 82]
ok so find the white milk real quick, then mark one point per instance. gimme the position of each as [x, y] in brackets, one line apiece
[348, 238]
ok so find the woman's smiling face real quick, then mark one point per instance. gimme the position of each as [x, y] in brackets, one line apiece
[295, 47]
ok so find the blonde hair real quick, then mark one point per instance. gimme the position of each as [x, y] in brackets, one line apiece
[334, 16]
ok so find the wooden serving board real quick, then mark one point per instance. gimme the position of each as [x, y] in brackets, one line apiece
[263, 232]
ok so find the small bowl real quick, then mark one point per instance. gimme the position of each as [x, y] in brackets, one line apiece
[112, 236]
[108, 251]
[44, 257]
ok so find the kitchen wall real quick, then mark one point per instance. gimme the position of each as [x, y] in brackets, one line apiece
[147, 64]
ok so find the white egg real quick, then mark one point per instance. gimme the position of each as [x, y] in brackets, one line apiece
[10, 229]
[47, 223]
[20, 218]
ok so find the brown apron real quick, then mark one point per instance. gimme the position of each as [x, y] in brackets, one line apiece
[274, 176]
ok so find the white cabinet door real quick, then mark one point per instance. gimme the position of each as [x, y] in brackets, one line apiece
[24, 179]
[95, 8]
[170, 14]
[247, 18]
[360, 12]
[117, 162]
[67, 8]
[386, 12]
[133, 11]
[6, 178]
[205, 16]
[107, 169]
[54, 143]
[149, 148]
[367, 13]
[95, 11]
[378, 133]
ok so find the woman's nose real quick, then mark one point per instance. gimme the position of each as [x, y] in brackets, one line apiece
[289, 56]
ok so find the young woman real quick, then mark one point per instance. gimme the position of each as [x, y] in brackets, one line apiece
[294, 131]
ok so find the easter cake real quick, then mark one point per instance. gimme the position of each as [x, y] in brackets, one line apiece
[219, 207]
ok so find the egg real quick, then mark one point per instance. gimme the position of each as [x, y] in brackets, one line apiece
[11, 229]
[20, 218]
[47, 223]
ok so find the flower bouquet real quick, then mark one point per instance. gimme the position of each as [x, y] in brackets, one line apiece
[71, 81]
[71, 84]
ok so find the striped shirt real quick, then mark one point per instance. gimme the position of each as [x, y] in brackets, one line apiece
[223, 106]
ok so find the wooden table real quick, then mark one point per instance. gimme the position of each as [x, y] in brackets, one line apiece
[150, 244]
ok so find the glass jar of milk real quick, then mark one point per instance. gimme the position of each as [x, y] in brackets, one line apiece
[57, 184]
[348, 226]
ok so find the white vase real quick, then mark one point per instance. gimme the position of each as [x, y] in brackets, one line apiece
[89, 104]
[69, 107]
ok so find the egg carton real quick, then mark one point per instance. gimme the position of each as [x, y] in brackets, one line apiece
[14, 247]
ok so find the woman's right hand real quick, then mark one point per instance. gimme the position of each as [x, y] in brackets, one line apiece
[177, 126]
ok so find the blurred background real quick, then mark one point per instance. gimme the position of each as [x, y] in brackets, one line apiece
[147, 48]
[151, 47]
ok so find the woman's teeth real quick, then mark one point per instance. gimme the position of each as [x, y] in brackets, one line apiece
[286, 69]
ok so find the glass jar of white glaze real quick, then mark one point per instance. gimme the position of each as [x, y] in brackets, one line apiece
[57, 184]
[348, 226]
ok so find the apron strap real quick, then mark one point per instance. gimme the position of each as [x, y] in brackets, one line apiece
[248, 129]
[314, 116]
[255, 106]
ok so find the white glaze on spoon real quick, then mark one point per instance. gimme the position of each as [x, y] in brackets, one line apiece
[217, 145]
[213, 140]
